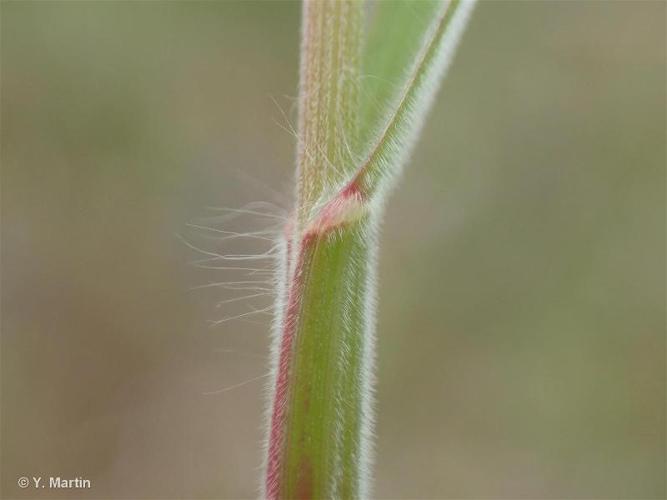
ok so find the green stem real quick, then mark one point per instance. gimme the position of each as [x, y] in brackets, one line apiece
[320, 420]
[316, 443]
[328, 98]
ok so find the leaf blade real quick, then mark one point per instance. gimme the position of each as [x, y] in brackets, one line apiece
[395, 140]
[396, 29]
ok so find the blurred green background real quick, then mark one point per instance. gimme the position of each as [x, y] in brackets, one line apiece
[522, 275]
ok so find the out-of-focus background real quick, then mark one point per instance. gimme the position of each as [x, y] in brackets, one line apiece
[522, 300]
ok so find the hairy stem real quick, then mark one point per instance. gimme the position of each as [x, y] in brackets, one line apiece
[315, 437]
[321, 394]
[328, 97]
